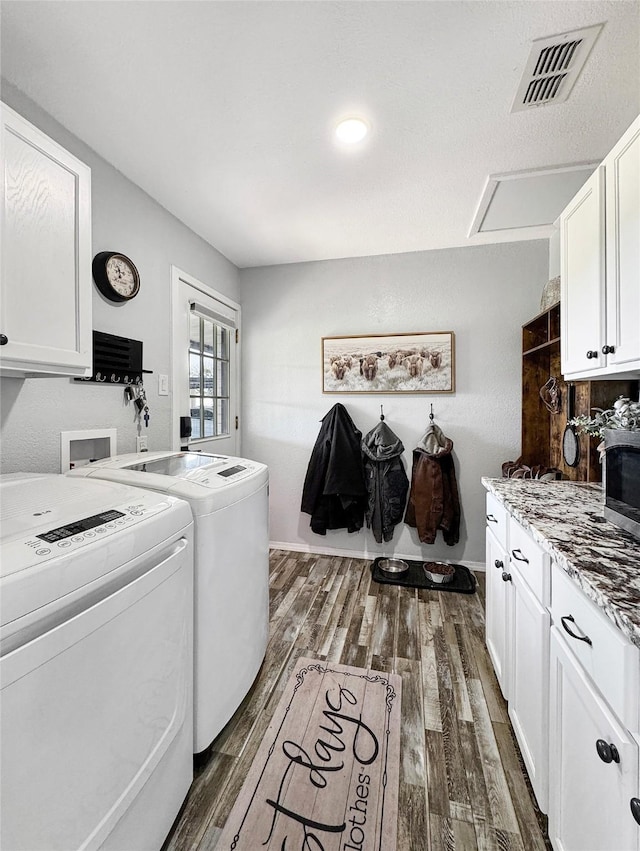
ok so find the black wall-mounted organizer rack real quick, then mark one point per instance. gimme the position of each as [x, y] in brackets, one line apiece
[116, 360]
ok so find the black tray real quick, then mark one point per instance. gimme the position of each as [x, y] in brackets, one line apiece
[464, 582]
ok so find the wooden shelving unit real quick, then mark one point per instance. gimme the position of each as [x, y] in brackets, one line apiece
[542, 431]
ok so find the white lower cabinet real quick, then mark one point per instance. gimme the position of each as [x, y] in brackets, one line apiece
[572, 682]
[528, 683]
[517, 635]
[498, 626]
[593, 763]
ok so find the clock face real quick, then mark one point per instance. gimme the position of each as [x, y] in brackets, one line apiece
[122, 276]
[116, 276]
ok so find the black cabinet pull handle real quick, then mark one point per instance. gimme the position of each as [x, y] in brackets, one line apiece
[491, 518]
[3, 339]
[608, 350]
[591, 354]
[521, 557]
[499, 564]
[572, 634]
[506, 577]
[607, 752]
[635, 808]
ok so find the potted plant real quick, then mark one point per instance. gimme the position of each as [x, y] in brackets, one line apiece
[624, 415]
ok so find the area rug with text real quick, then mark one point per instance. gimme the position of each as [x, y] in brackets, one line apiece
[325, 777]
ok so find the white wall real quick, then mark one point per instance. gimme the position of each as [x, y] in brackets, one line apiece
[34, 411]
[484, 294]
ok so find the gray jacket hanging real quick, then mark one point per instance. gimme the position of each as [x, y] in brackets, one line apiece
[386, 481]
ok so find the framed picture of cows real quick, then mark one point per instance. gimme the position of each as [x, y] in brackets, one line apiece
[389, 363]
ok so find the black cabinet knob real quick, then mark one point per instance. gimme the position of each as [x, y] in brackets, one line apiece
[607, 752]
[635, 808]
[591, 354]
[506, 577]
[499, 564]
[3, 339]
[608, 350]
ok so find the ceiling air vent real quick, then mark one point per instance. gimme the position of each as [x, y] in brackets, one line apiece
[553, 67]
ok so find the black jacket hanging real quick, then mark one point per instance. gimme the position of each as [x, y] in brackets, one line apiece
[334, 491]
[386, 479]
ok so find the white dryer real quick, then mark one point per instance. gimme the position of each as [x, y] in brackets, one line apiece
[96, 584]
[229, 500]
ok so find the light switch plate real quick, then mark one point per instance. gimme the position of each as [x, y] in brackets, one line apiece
[163, 385]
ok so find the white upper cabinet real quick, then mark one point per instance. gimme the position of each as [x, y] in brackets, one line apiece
[45, 272]
[600, 268]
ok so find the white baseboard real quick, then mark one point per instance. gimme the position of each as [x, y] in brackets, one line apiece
[339, 553]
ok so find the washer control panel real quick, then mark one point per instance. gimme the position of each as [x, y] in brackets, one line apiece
[60, 540]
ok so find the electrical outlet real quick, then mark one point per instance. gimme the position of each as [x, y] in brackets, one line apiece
[141, 443]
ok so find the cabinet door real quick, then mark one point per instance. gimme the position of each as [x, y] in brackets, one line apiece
[588, 798]
[583, 278]
[498, 632]
[623, 248]
[529, 683]
[45, 283]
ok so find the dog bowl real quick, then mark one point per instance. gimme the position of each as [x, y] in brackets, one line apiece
[439, 571]
[393, 566]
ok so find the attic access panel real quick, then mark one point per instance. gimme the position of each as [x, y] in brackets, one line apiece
[520, 200]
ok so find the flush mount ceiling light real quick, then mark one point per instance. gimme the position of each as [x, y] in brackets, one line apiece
[351, 131]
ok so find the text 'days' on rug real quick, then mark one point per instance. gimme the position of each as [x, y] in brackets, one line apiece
[325, 777]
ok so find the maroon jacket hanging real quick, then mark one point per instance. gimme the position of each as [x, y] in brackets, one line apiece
[433, 499]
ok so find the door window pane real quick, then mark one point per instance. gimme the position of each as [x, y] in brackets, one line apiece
[222, 340]
[208, 377]
[208, 417]
[195, 367]
[209, 329]
[223, 378]
[194, 333]
[223, 416]
[196, 416]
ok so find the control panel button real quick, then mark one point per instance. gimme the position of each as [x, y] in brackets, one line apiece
[42, 552]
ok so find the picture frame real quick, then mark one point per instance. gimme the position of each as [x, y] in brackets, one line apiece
[422, 362]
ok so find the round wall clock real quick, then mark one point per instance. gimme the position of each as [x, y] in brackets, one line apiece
[116, 276]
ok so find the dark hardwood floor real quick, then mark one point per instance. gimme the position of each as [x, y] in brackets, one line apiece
[462, 783]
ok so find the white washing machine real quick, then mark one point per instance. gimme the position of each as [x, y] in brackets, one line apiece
[96, 639]
[229, 500]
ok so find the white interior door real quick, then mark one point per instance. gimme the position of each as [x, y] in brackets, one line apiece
[205, 357]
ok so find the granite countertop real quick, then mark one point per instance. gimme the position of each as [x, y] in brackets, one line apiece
[566, 519]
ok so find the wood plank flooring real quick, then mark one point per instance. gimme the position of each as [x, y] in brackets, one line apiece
[462, 783]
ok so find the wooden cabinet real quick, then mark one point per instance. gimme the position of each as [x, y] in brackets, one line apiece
[542, 430]
[529, 673]
[589, 799]
[600, 258]
[45, 280]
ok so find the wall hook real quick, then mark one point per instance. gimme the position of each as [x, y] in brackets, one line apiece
[381, 414]
[431, 417]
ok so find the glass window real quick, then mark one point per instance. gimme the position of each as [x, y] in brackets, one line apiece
[208, 378]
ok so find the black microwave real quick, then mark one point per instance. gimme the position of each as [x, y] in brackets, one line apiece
[621, 480]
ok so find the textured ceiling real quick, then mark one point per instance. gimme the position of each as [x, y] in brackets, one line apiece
[223, 111]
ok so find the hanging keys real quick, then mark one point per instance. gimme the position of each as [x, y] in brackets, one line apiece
[129, 394]
[146, 416]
